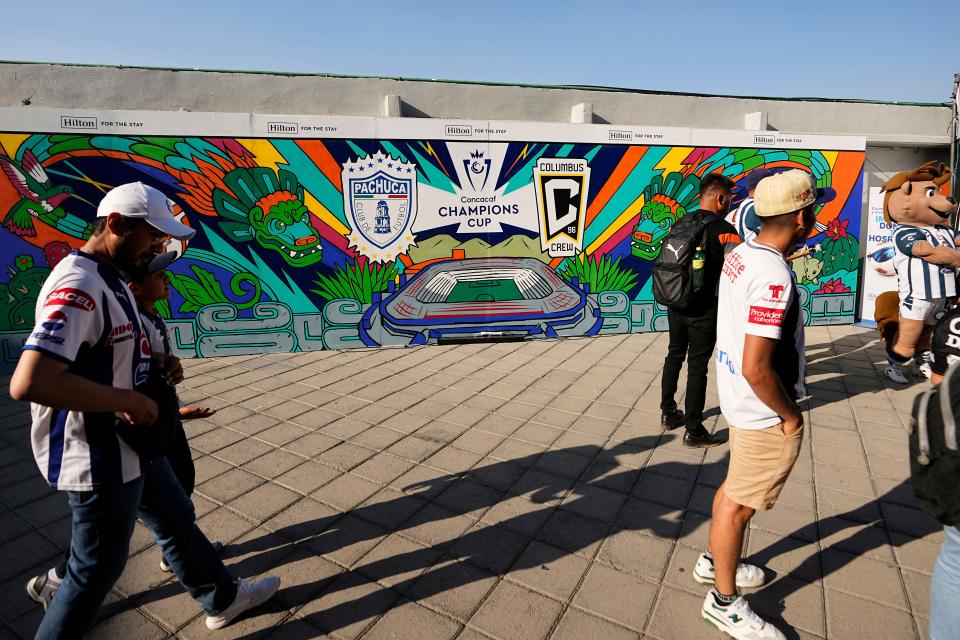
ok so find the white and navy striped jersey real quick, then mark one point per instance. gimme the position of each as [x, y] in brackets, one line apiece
[87, 318]
[918, 279]
[745, 219]
[156, 330]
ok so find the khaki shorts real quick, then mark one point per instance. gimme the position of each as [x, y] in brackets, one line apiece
[760, 462]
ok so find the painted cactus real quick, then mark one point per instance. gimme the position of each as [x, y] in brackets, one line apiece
[839, 251]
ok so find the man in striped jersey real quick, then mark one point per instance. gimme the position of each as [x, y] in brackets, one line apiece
[79, 369]
[925, 258]
[744, 218]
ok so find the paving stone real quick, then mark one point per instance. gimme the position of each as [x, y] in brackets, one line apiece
[436, 526]
[346, 491]
[864, 577]
[348, 606]
[549, 569]
[616, 595]
[128, 624]
[512, 611]
[576, 625]
[408, 619]
[262, 503]
[273, 464]
[594, 502]
[228, 485]
[872, 620]
[307, 477]
[454, 587]
[918, 591]
[573, 533]
[346, 455]
[840, 479]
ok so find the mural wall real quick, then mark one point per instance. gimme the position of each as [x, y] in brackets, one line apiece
[332, 233]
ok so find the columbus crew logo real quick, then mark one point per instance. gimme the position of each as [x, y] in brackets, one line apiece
[561, 185]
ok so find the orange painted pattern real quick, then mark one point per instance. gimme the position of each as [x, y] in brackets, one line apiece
[318, 153]
[616, 180]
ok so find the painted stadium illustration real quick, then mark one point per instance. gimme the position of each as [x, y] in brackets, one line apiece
[481, 298]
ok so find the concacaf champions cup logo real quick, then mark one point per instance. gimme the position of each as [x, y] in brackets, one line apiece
[561, 187]
[380, 198]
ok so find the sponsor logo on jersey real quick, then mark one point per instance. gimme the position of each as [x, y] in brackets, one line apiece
[766, 316]
[70, 298]
[120, 333]
[46, 337]
[54, 321]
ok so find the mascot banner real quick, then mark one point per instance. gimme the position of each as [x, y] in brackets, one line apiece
[327, 232]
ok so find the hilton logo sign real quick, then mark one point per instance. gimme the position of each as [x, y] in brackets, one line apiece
[77, 122]
[459, 130]
[283, 127]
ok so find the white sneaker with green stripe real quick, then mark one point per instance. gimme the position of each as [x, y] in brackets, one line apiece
[738, 620]
[748, 575]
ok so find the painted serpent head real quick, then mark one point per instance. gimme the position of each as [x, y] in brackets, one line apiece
[268, 206]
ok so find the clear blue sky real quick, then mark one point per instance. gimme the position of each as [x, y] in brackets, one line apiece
[820, 48]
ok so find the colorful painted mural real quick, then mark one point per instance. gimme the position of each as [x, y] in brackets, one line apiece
[314, 238]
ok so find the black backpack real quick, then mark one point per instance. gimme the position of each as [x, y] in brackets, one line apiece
[673, 282]
[934, 457]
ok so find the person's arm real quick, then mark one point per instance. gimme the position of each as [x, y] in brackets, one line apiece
[192, 412]
[758, 372]
[912, 242]
[47, 381]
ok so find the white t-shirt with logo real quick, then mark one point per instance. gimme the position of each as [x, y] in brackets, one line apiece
[757, 297]
[86, 317]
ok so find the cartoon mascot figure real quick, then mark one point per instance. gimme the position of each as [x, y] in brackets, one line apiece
[926, 260]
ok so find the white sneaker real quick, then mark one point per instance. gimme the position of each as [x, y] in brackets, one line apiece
[748, 575]
[42, 588]
[250, 594]
[738, 620]
[895, 374]
[217, 547]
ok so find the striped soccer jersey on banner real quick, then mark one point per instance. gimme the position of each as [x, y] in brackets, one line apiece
[919, 279]
[86, 317]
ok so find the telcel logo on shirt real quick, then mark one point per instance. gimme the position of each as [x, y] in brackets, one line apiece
[70, 298]
[766, 316]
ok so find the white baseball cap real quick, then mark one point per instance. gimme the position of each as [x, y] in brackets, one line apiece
[137, 200]
[788, 192]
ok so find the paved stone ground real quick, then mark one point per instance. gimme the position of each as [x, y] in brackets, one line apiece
[518, 490]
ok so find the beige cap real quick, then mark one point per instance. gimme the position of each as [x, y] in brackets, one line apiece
[788, 192]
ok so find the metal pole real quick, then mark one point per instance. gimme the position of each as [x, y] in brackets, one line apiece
[954, 131]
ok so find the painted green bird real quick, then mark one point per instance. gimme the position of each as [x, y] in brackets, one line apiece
[40, 198]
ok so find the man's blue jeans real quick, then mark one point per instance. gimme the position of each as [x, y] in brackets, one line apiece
[102, 525]
[945, 589]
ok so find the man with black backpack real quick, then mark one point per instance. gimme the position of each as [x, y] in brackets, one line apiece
[935, 470]
[685, 280]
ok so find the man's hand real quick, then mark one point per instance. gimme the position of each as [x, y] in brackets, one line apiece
[139, 409]
[193, 412]
[169, 366]
[791, 424]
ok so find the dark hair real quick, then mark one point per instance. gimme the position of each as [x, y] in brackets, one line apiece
[99, 226]
[127, 224]
[715, 181]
